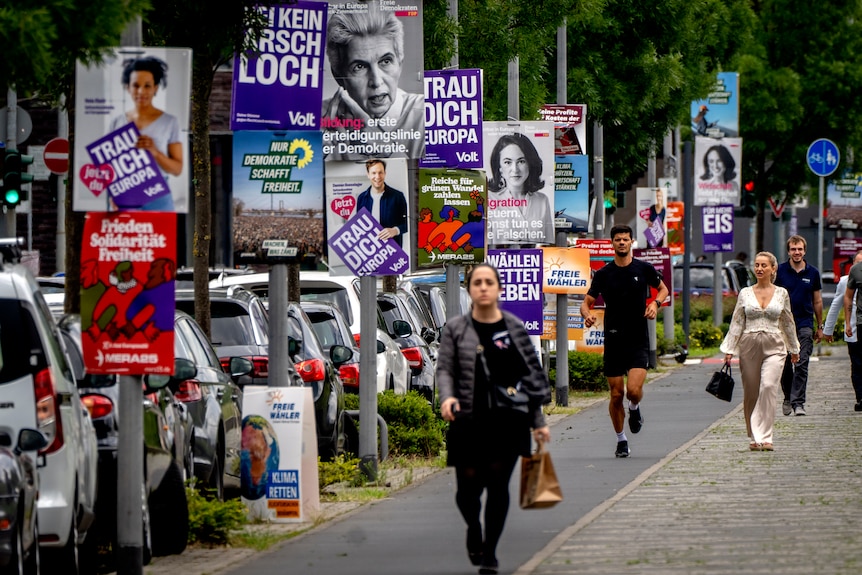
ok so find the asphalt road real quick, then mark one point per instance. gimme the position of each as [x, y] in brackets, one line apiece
[419, 530]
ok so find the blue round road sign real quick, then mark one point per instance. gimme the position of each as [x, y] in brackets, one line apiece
[823, 157]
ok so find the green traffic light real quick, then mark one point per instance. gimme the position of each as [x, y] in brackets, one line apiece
[11, 197]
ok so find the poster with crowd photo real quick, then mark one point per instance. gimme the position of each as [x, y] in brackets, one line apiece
[717, 115]
[453, 119]
[521, 277]
[519, 163]
[350, 187]
[717, 171]
[571, 193]
[570, 127]
[278, 192]
[844, 202]
[374, 103]
[451, 226]
[128, 272]
[122, 158]
[651, 218]
[279, 85]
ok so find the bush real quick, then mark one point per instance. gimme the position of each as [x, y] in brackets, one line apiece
[338, 470]
[211, 520]
[704, 334]
[585, 372]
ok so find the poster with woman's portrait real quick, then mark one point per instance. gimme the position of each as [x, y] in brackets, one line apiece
[651, 218]
[377, 185]
[519, 164]
[373, 93]
[132, 131]
[717, 171]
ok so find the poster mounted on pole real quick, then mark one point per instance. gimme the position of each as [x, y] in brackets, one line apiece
[453, 119]
[717, 171]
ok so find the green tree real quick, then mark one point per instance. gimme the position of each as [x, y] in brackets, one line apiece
[801, 79]
[214, 34]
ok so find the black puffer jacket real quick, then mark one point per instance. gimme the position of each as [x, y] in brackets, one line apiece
[456, 365]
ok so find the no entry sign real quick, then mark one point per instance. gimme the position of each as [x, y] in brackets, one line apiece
[56, 156]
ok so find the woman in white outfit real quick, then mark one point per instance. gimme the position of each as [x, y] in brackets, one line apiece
[761, 332]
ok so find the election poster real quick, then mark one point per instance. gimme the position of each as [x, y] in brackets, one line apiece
[374, 99]
[651, 212]
[132, 131]
[575, 324]
[660, 260]
[570, 127]
[717, 228]
[451, 227]
[566, 270]
[278, 456]
[521, 277]
[519, 163]
[379, 187]
[128, 273]
[453, 119]
[717, 171]
[279, 84]
[675, 234]
[717, 115]
[844, 202]
[360, 244]
[278, 192]
[571, 193]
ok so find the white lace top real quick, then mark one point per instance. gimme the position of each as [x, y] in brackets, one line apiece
[749, 317]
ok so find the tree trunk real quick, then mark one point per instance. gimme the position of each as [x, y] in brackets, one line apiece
[202, 81]
[74, 225]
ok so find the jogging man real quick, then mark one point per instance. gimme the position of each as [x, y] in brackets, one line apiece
[624, 284]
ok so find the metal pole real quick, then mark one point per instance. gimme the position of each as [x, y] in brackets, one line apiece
[599, 180]
[562, 382]
[820, 207]
[453, 271]
[279, 358]
[667, 312]
[9, 225]
[717, 284]
[651, 323]
[688, 198]
[368, 376]
[63, 132]
[130, 452]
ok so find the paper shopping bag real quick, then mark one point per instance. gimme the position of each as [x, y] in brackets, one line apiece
[539, 485]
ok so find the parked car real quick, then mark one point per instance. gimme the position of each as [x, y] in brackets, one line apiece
[432, 289]
[214, 400]
[168, 458]
[404, 328]
[38, 391]
[735, 277]
[319, 371]
[19, 491]
[239, 327]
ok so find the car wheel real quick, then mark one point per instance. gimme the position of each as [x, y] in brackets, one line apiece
[65, 560]
[169, 513]
[216, 482]
[32, 566]
[16, 560]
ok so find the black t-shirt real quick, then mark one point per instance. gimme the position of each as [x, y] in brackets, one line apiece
[504, 361]
[625, 291]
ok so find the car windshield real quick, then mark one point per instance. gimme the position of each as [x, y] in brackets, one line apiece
[336, 296]
[326, 329]
[230, 323]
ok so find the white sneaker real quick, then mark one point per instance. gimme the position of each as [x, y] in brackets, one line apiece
[799, 410]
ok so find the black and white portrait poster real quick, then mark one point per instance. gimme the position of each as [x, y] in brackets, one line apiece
[519, 163]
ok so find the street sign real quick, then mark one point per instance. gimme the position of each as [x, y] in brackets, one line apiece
[777, 209]
[282, 252]
[823, 157]
[269, 244]
[56, 156]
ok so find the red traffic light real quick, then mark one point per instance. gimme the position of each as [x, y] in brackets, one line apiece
[749, 186]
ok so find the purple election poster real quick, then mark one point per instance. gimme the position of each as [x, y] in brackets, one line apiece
[718, 228]
[130, 174]
[359, 246]
[280, 85]
[453, 119]
[521, 275]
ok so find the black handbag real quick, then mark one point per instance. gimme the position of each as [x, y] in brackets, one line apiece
[721, 384]
[500, 397]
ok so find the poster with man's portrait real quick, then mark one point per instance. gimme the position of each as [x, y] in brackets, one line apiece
[519, 164]
[380, 186]
[717, 171]
[373, 94]
[131, 131]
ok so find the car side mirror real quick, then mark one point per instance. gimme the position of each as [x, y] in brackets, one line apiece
[381, 347]
[31, 440]
[401, 328]
[340, 355]
[429, 335]
[240, 366]
[5, 439]
[293, 346]
[183, 369]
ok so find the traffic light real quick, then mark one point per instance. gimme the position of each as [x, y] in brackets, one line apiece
[748, 203]
[14, 175]
[610, 196]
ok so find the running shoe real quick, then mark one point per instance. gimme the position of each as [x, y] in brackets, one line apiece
[622, 449]
[786, 408]
[636, 420]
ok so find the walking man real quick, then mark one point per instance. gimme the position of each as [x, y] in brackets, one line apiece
[854, 346]
[624, 284]
[802, 281]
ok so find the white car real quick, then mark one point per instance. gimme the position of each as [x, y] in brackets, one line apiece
[393, 372]
[38, 390]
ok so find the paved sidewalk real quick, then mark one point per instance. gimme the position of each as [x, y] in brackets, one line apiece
[712, 506]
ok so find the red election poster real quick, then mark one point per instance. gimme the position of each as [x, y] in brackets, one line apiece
[128, 268]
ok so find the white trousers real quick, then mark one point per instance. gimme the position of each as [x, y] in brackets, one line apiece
[761, 361]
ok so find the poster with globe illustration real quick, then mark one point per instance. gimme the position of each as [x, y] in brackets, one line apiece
[278, 458]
